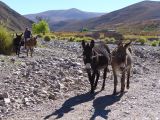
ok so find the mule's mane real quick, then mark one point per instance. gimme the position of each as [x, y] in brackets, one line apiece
[101, 49]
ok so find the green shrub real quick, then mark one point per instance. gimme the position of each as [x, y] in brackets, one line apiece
[159, 43]
[53, 37]
[110, 40]
[87, 38]
[47, 38]
[84, 30]
[79, 39]
[142, 41]
[40, 35]
[5, 41]
[154, 43]
[71, 39]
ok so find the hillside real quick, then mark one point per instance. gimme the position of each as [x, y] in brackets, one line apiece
[13, 20]
[135, 14]
[59, 18]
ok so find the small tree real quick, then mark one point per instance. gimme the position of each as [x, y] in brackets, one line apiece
[84, 30]
[40, 27]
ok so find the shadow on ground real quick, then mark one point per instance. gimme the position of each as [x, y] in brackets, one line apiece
[101, 103]
[70, 103]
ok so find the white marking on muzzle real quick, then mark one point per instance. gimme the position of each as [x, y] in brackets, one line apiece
[88, 66]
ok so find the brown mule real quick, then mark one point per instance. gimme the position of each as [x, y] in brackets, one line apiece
[30, 44]
[121, 63]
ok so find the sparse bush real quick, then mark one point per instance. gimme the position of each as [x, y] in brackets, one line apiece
[5, 41]
[154, 43]
[102, 38]
[71, 39]
[84, 30]
[142, 41]
[79, 39]
[40, 35]
[110, 40]
[87, 38]
[106, 39]
[47, 38]
[53, 37]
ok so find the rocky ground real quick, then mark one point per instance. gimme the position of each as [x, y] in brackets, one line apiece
[53, 84]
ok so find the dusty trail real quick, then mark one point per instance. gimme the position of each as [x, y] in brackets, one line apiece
[140, 102]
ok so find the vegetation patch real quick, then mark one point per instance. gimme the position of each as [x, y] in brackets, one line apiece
[47, 38]
[6, 42]
[155, 43]
[40, 27]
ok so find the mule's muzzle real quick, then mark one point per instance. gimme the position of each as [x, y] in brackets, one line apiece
[88, 66]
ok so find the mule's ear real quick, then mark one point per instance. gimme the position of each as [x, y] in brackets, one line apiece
[92, 43]
[128, 44]
[83, 43]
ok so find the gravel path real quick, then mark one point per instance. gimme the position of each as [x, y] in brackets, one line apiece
[54, 85]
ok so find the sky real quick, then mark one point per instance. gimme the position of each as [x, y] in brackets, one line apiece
[35, 6]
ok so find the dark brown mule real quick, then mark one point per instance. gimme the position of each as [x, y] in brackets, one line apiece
[17, 43]
[121, 63]
[30, 44]
[95, 57]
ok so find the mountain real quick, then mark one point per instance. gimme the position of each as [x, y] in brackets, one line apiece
[13, 20]
[135, 14]
[59, 18]
[62, 15]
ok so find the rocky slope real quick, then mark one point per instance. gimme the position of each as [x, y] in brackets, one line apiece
[13, 20]
[133, 16]
[53, 84]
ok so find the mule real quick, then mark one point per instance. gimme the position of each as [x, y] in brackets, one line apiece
[121, 64]
[30, 44]
[96, 58]
[17, 43]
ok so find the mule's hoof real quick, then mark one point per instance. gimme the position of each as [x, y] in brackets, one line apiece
[92, 92]
[114, 92]
[95, 88]
[102, 88]
[122, 90]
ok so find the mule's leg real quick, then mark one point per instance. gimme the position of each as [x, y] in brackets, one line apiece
[123, 82]
[97, 78]
[104, 78]
[115, 81]
[27, 51]
[25, 43]
[18, 50]
[91, 81]
[31, 49]
[128, 76]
